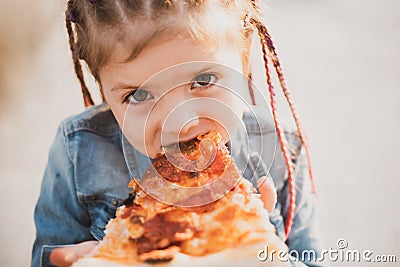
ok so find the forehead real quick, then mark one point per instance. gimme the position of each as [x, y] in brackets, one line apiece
[212, 27]
[165, 52]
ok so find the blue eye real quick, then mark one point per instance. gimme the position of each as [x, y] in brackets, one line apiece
[138, 96]
[204, 80]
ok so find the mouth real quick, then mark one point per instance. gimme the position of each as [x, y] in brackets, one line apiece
[183, 142]
[188, 159]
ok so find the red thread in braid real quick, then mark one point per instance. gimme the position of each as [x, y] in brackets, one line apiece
[87, 98]
[278, 68]
[288, 162]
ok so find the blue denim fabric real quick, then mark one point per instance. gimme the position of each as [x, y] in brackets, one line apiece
[86, 180]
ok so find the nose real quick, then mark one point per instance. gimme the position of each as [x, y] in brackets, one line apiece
[181, 118]
[189, 124]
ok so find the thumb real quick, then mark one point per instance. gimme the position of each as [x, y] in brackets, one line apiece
[66, 256]
[268, 192]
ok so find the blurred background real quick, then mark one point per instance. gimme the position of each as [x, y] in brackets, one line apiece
[342, 63]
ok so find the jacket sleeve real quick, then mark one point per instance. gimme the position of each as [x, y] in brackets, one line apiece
[59, 217]
[304, 240]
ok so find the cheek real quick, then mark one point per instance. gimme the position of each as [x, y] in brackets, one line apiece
[141, 131]
[138, 126]
[234, 118]
[226, 112]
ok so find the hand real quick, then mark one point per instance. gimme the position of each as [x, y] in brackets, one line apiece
[66, 256]
[268, 192]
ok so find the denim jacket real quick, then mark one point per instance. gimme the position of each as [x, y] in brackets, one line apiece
[86, 180]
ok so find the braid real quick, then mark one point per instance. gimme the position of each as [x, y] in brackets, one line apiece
[278, 68]
[251, 89]
[87, 98]
[292, 202]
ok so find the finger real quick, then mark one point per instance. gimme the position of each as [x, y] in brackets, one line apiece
[268, 192]
[66, 256]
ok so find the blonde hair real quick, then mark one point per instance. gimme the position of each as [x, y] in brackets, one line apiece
[100, 25]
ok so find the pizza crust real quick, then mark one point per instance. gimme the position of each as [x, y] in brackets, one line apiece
[239, 256]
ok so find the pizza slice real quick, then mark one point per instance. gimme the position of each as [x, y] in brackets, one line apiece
[190, 207]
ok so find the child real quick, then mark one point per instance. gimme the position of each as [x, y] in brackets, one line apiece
[167, 71]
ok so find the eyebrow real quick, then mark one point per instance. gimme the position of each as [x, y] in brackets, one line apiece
[123, 86]
[126, 86]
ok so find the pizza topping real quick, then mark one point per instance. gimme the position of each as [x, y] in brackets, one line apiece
[160, 233]
[136, 219]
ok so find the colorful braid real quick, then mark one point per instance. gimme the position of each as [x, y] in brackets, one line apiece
[71, 17]
[278, 68]
[292, 191]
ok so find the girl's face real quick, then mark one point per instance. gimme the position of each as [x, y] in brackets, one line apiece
[174, 90]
